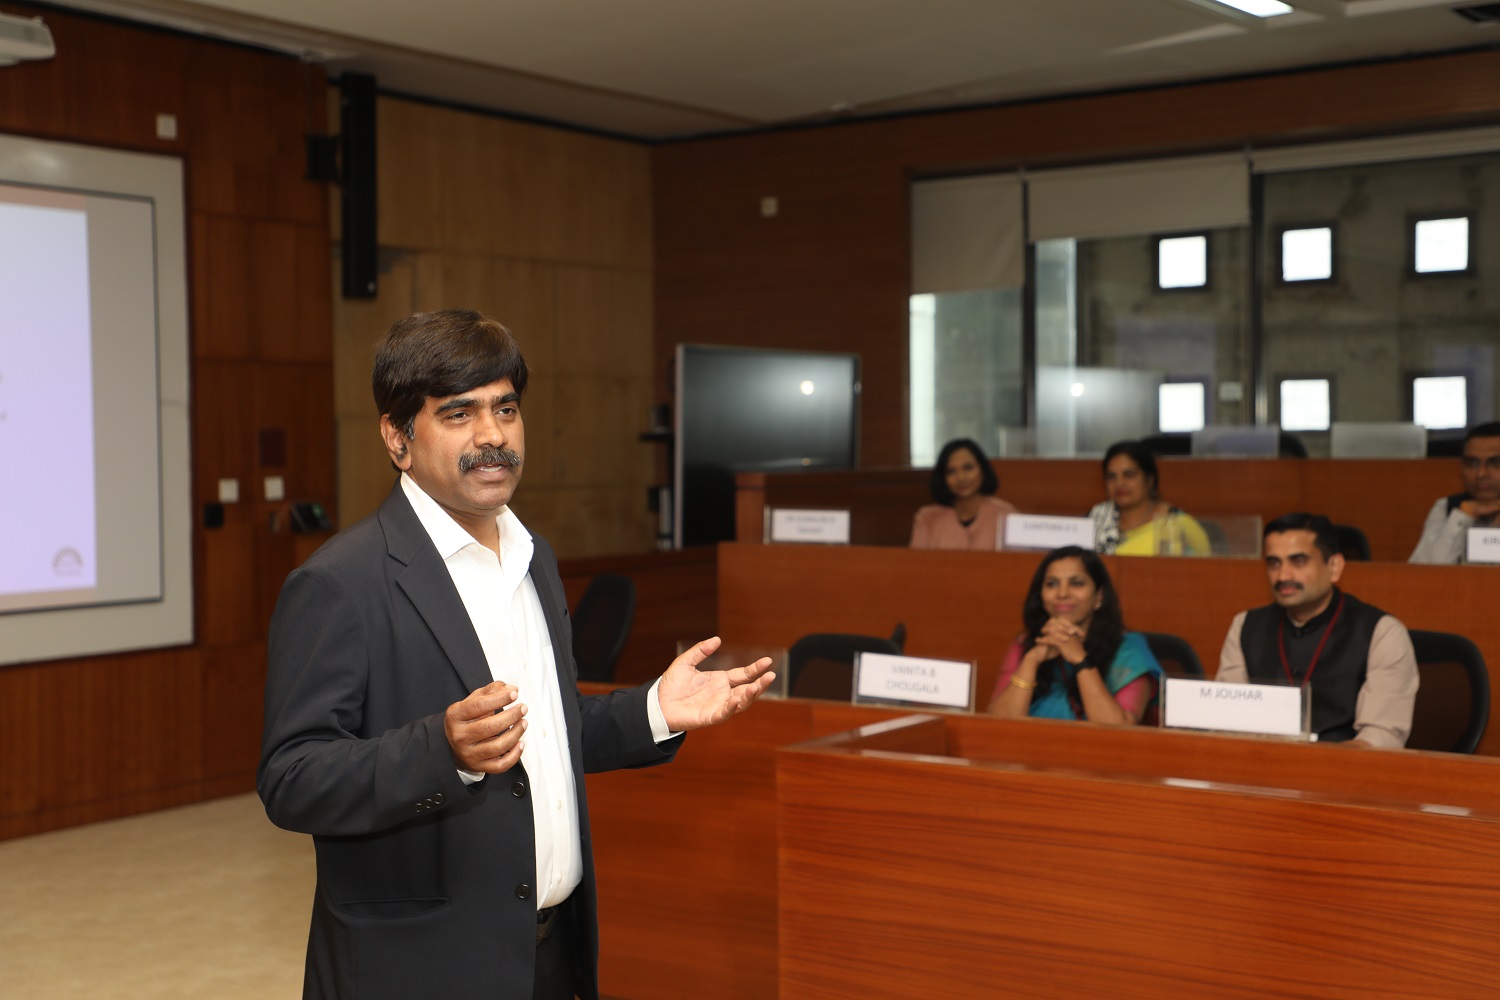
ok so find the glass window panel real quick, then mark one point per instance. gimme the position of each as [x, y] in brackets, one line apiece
[1376, 329]
[1440, 402]
[1305, 404]
[1307, 254]
[1180, 406]
[965, 364]
[1182, 262]
[1442, 245]
[1103, 323]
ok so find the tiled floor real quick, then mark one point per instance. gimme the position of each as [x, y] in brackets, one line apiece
[207, 901]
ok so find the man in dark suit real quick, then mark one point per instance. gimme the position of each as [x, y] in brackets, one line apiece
[422, 716]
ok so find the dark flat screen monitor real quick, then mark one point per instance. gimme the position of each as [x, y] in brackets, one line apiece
[743, 409]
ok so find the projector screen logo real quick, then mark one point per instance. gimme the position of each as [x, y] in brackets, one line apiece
[67, 562]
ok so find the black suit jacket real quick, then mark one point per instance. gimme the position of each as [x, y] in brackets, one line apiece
[426, 886]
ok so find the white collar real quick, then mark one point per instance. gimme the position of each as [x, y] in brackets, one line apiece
[449, 536]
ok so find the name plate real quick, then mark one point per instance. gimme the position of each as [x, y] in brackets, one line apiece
[1484, 545]
[883, 678]
[1041, 531]
[1268, 709]
[826, 527]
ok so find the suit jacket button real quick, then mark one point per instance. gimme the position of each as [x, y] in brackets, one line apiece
[518, 789]
[523, 891]
[437, 799]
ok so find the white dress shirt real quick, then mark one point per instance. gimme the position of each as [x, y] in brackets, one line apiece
[506, 613]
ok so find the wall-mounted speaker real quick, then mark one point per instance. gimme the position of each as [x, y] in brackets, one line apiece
[357, 139]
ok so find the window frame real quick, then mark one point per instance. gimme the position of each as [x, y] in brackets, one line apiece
[1471, 393]
[1412, 218]
[1278, 233]
[1328, 377]
[1208, 256]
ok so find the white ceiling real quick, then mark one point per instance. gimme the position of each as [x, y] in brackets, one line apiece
[666, 68]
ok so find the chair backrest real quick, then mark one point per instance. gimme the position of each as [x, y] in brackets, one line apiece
[1176, 657]
[601, 624]
[821, 665]
[1290, 445]
[1352, 543]
[1453, 701]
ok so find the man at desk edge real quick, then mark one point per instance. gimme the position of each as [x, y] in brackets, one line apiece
[1357, 659]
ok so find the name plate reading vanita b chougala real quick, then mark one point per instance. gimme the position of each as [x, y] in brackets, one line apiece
[882, 678]
[1484, 545]
[1044, 531]
[825, 527]
[1269, 709]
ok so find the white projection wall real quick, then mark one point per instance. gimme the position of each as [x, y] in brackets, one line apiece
[95, 522]
[46, 402]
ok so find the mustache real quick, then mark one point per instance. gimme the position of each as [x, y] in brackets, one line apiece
[489, 456]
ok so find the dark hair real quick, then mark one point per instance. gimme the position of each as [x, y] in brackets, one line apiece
[1141, 456]
[1324, 535]
[1106, 628]
[988, 485]
[1489, 430]
[437, 354]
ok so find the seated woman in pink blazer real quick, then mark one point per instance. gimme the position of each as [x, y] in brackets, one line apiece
[967, 514]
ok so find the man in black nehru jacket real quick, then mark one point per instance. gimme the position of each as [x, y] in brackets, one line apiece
[1357, 659]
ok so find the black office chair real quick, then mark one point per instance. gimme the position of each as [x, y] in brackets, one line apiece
[1168, 444]
[821, 665]
[601, 624]
[1290, 446]
[1176, 657]
[1444, 447]
[1352, 543]
[1453, 702]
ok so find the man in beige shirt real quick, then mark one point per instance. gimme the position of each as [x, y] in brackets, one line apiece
[1357, 660]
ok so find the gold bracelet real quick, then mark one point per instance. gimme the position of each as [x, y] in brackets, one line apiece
[1023, 685]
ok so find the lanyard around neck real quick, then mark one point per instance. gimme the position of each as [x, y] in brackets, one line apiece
[1313, 664]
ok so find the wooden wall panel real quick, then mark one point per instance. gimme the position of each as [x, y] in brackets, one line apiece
[550, 232]
[165, 727]
[830, 271]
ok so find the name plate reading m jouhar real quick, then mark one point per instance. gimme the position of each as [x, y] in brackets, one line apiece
[824, 527]
[886, 679]
[1268, 709]
[1044, 531]
[1484, 545]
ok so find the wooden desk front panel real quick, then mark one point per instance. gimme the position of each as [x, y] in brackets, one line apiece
[908, 878]
[967, 605]
[686, 858]
[1387, 498]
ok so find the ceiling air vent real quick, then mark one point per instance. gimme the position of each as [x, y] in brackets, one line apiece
[1484, 13]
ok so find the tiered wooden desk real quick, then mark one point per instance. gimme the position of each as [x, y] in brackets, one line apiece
[963, 857]
[1387, 498]
[967, 605]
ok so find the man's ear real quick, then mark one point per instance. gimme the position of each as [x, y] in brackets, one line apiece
[1335, 566]
[395, 443]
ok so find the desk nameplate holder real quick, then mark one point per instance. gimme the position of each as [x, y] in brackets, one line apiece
[1262, 709]
[887, 679]
[1045, 532]
[1484, 545]
[785, 525]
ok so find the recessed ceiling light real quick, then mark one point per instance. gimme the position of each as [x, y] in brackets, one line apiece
[1259, 8]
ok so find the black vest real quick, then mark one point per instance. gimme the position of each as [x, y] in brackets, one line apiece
[1341, 667]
